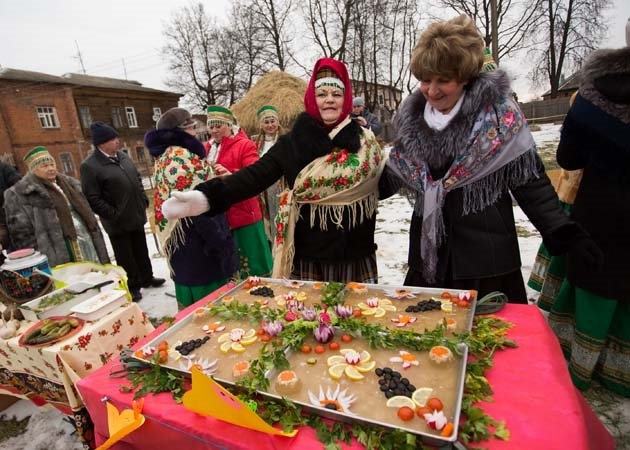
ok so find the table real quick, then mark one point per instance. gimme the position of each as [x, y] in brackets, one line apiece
[48, 374]
[533, 394]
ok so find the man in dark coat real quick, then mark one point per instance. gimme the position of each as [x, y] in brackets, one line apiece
[8, 177]
[364, 117]
[114, 189]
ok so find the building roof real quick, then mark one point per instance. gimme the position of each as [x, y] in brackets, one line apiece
[570, 84]
[77, 79]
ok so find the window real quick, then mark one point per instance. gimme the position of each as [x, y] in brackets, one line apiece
[116, 117]
[86, 117]
[381, 99]
[47, 116]
[67, 167]
[140, 155]
[131, 117]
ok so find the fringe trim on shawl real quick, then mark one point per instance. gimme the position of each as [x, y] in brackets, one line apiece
[358, 212]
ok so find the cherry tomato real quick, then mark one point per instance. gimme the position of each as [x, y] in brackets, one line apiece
[260, 332]
[435, 404]
[247, 285]
[356, 313]
[162, 356]
[306, 348]
[320, 349]
[265, 338]
[445, 294]
[405, 413]
[333, 346]
[447, 430]
[462, 304]
[422, 410]
[346, 338]
[163, 345]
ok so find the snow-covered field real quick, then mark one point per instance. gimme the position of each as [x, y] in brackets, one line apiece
[392, 239]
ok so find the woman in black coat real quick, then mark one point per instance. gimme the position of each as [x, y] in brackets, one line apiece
[591, 314]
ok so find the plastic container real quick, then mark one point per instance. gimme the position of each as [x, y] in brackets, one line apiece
[18, 278]
[64, 301]
[100, 305]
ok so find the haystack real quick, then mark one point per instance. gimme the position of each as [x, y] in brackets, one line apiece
[279, 89]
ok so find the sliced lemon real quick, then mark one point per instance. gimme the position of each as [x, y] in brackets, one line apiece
[249, 340]
[174, 354]
[336, 371]
[353, 373]
[368, 312]
[344, 351]
[384, 302]
[237, 347]
[363, 306]
[389, 307]
[379, 312]
[226, 346]
[336, 359]
[398, 401]
[223, 338]
[447, 306]
[421, 395]
[365, 366]
[365, 356]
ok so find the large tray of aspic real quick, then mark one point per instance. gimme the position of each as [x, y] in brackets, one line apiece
[346, 378]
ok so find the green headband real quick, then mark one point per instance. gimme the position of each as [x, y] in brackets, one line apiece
[37, 156]
[220, 115]
[267, 112]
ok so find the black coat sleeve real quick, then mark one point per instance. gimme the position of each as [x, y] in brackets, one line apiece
[223, 192]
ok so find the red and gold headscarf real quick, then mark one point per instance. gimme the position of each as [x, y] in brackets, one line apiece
[328, 67]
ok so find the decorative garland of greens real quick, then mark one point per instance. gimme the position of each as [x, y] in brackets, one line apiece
[488, 335]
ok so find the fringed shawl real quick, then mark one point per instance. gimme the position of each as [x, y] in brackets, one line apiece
[331, 184]
[486, 150]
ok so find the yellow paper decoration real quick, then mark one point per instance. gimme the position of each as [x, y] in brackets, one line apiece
[123, 423]
[208, 398]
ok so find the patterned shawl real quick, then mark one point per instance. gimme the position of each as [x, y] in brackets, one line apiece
[499, 136]
[330, 184]
[177, 169]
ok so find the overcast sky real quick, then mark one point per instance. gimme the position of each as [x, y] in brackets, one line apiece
[123, 38]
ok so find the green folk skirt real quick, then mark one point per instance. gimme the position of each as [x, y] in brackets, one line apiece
[187, 295]
[253, 250]
[594, 333]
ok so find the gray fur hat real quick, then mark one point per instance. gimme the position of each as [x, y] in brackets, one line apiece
[175, 118]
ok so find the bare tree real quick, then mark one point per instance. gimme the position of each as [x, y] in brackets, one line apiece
[273, 18]
[329, 23]
[571, 30]
[516, 20]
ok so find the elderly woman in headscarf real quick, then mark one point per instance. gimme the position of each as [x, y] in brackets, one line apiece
[332, 166]
[46, 210]
[200, 250]
[270, 130]
[462, 146]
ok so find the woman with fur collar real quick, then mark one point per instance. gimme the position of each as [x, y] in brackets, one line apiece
[200, 251]
[462, 147]
[326, 218]
[591, 314]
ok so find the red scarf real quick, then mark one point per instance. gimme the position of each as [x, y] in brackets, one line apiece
[310, 102]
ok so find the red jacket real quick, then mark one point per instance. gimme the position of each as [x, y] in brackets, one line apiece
[235, 153]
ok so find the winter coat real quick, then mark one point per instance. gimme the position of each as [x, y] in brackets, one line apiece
[373, 123]
[307, 141]
[235, 153]
[115, 192]
[33, 221]
[480, 244]
[8, 177]
[596, 137]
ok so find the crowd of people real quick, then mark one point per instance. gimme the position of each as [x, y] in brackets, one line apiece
[300, 201]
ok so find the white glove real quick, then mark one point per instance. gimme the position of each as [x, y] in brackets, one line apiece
[184, 204]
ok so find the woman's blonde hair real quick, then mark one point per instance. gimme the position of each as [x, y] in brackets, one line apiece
[452, 49]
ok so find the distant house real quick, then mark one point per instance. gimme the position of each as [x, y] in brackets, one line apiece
[56, 112]
[383, 100]
[566, 88]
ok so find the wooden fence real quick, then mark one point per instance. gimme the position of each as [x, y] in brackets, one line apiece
[546, 111]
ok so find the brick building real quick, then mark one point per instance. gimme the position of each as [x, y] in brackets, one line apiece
[41, 109]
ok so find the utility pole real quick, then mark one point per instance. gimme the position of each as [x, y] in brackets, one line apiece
[495, 33]
[124, 68]
[79, 57]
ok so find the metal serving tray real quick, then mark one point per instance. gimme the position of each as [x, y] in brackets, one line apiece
[452, 377]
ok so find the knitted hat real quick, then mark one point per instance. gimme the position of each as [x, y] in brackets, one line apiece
[218, 115]
[267, 112]
[358, 101]
[101, 133]
[327, 77]
[175, 118]
[37, 156]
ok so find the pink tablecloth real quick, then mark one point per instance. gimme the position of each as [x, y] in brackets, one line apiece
[533, 394]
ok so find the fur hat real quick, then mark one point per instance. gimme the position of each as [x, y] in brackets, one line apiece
[175, 118]
[101, 133]
[358, 101]
[219, 115]
[37, 156]
[267, 112]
